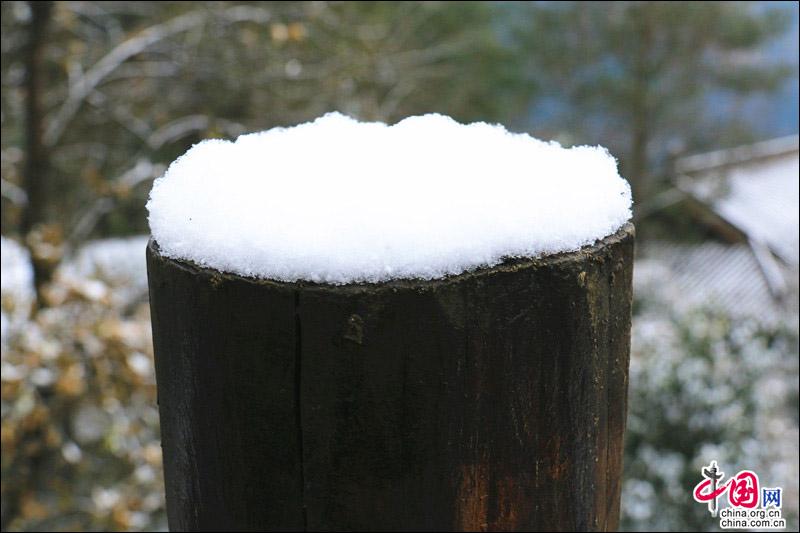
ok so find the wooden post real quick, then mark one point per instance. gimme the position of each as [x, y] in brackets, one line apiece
[492, 400]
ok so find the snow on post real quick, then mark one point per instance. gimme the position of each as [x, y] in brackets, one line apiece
[417, 326]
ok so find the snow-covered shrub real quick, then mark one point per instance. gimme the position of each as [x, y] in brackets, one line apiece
[705, 386]
[80, 442]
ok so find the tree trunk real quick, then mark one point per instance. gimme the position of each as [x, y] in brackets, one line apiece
[32, 184]
[491, 400]
[34, 176]
[638, 171]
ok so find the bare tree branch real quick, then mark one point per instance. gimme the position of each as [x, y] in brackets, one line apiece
[85, 85]
[13, 193]
[121, 116]
[142, 171]
[176, 129]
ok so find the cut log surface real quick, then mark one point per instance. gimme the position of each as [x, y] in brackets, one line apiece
[491, 400]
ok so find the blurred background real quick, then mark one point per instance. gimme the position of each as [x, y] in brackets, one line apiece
[699, 101]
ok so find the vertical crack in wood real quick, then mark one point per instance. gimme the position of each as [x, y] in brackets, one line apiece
[298, 405]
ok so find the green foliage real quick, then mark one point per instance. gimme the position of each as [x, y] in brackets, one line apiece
[636, 76]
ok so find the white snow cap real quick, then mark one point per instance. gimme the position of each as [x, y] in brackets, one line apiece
[339, 201]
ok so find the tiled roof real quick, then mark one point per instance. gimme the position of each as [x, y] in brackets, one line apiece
[686, 276]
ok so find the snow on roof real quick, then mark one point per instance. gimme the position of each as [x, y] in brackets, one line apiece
[339, 201]
[754, 188]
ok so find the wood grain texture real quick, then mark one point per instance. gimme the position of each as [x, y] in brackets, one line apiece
[489, 401]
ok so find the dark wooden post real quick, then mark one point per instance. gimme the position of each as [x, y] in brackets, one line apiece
[492, 400]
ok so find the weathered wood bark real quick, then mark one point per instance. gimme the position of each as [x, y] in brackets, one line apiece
[492, 400]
